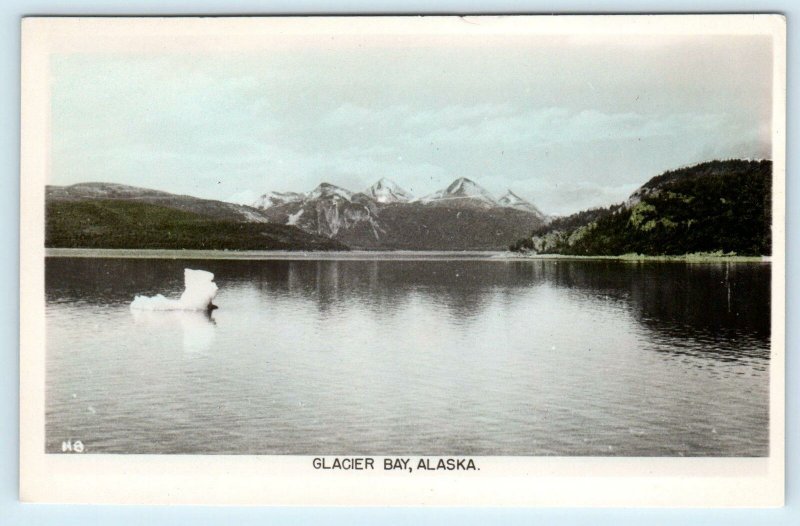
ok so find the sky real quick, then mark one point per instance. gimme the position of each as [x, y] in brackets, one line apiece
[567, 123]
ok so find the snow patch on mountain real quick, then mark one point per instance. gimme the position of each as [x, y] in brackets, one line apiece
[271, 199]
[294, 218]
[245, 197]
[387, 191]
[247, 214]
[332, 219]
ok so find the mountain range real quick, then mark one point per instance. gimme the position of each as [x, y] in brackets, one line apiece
[461, 216]
[716, 206]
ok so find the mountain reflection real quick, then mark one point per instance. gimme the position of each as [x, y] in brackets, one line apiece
[708, 303]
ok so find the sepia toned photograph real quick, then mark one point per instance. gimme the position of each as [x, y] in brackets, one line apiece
[404, 244]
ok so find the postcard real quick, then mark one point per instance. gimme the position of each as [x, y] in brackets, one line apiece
[403, 260]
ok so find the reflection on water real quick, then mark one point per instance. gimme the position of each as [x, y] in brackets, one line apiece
[420, 357]
[197, 327]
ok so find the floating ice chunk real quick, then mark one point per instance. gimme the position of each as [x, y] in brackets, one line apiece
[200, 290]
[157, 302]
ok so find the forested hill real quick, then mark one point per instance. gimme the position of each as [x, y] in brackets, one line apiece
[714, 206]
[136, 221]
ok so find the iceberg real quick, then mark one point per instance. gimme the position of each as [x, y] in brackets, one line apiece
[199, 292]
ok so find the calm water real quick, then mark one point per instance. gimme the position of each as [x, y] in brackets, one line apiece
[478, 357]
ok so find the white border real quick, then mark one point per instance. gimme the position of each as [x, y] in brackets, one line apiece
[291, 480]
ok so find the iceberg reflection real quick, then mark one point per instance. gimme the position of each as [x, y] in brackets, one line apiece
[198, 326]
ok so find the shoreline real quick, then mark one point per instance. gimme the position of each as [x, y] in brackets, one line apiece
[368, 255]
[267, 255]
[686, 258]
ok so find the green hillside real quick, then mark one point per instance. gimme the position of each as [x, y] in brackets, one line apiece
[711, 207]
[115, 223]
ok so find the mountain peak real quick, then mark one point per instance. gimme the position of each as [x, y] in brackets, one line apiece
[461, 181]
[387, 191]
[512, 200]
[331, 191]
[463, 192]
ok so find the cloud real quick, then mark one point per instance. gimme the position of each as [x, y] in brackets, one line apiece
[548, 126]
[569, 125]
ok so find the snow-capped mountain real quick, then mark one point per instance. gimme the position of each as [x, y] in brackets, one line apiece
[271, 199]
[462, 192]
[463, 216]
[512, 200]
[328, 210]
[387, 191]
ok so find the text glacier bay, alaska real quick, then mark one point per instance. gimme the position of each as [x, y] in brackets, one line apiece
[394, 464]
